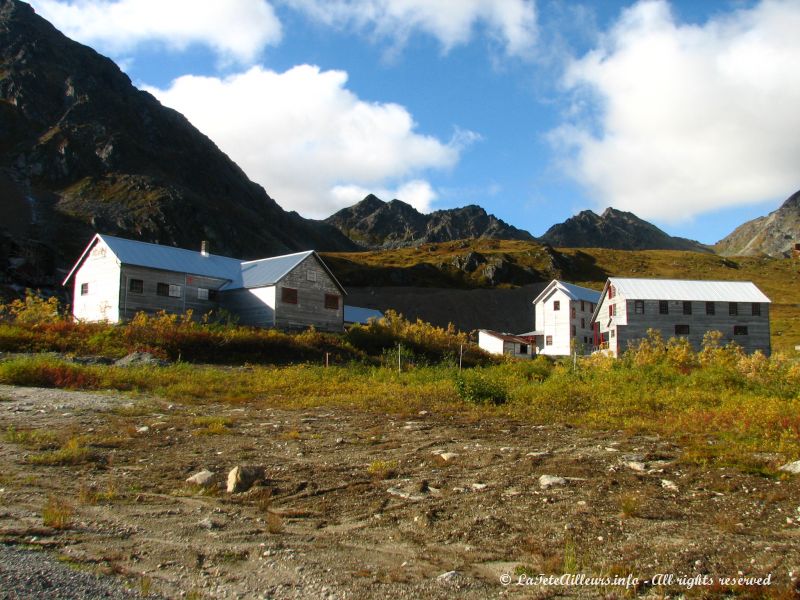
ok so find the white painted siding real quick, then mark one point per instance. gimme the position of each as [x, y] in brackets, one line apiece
[555, 323]
[101, 272]
[490, 343]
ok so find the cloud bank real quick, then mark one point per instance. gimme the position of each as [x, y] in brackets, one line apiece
[511, 23]
[671, 120]
[236, 30]
[312, 143]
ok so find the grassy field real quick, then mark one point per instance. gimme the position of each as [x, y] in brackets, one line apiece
[721, 406]
[435, 265]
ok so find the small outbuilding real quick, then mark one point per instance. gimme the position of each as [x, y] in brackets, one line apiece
[506, 344]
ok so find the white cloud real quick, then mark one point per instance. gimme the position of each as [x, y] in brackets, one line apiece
[309, 140]
[237, 30]
[417, 192]
[675, 120]
[512, 23]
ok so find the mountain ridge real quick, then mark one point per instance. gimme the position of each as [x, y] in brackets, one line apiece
[615, 229]
[374, 224]
[774, 234]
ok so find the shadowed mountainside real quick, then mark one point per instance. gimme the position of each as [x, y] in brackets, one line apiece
[773, 235]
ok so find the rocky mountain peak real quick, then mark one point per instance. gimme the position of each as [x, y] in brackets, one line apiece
[774, 234]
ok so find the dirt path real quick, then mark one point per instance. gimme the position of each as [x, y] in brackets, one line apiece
[368, 506]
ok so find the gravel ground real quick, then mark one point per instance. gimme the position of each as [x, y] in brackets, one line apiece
[29, 574]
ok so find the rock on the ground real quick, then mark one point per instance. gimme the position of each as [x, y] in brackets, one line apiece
[204, 478]
[449, 577]
[447, 456]
[242, 478]
[548, 481]
[792, 467]
[140, 358]
[635, 465]
[669, 485]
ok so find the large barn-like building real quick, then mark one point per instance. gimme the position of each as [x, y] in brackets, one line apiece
[116, 278]
[679, 308]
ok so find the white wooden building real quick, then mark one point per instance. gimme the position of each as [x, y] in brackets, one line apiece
[506, 344]
[680, 308]
[563, 313]
[116, 278]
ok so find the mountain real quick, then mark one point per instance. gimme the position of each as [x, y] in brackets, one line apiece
[83, 150]
[773, 235]
[375, 224]
[615, 229]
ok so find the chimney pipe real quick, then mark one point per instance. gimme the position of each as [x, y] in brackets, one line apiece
[204, 248]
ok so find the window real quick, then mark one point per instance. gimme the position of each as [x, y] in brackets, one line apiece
[638, 307]
[740, 330]
[573, 331]
[733, 308]
[548, 341]
[166, 289]
[611, 292]
[84, 289]
[289, 295]
[556, 305]
[311, 275]
[687, 307]
[583, 323]
[202, 294]
[663, 307]
[681, 330]
[332, 301]
[585, 340]
[523, 348]
[710, 308]
[213, 295]
[756, 309]
[136, 286]
[583, 309]
[612, 333]
[572, 312]
[612, 310]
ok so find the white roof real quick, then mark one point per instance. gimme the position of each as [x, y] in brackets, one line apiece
[681, 289]
[575, 292]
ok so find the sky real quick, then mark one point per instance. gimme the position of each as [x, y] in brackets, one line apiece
[684, 113]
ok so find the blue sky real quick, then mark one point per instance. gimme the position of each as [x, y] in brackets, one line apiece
[681, 112]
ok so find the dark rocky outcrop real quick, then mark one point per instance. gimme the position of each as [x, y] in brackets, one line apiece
[83, 150]
[615, 229]
[375, 224]
[774, 235]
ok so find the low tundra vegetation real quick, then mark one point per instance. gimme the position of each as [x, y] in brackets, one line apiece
[721, 406]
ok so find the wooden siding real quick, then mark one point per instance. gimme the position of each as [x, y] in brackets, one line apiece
[310, 308]
[150, 302]
[630, 327]
[254, 307]
[558, 323]
[101, 271]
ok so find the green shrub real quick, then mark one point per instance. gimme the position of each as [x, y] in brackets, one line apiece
[476, 387]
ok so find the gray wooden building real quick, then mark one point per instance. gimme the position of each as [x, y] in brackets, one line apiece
[678, 308]
[116, 278]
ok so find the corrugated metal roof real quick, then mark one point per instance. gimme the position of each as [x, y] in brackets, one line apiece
[358, 314]
[576, 292]
[168, 258]
[248, 274]
[507, 337]
[267, 271]
[680, 289]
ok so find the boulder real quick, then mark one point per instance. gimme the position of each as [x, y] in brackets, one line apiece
[548, 481]
[792, 467]
[242, 478]
[203, 478]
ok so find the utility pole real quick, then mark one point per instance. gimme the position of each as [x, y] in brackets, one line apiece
[460, 355]
[399, 364]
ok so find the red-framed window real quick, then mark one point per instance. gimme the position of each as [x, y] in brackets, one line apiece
[332, 301]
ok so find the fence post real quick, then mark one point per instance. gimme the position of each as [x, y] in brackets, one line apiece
[399, 364]
[460, 355]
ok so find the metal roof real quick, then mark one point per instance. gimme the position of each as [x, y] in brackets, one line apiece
[247, 274]
[507, 337]
[575, 292]
[267, 271]
[680, 289]
[358, 314]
